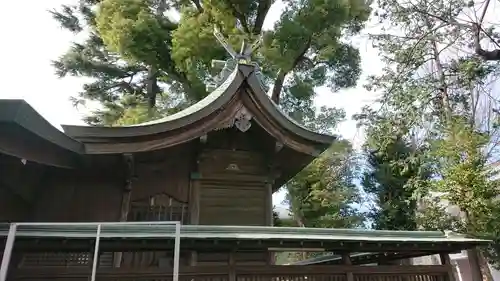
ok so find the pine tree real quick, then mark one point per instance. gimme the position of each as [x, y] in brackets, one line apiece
[136, 54]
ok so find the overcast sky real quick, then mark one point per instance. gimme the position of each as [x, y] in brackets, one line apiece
[31, 39]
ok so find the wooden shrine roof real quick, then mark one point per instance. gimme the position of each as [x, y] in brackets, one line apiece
[29, 136]
[241, 89]
[160, 236]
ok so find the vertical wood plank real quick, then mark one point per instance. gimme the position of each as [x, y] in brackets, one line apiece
[475, 267]
[126, 198]
[269, 216]
[232, 265]
[346, 260]
[445, 260]
[194, 210]
[269, 204]
[194, 199]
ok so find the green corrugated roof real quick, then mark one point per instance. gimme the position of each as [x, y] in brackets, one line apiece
[236, 232]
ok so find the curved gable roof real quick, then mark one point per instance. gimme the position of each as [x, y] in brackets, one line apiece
[243, 76]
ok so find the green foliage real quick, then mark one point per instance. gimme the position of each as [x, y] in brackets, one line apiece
[323, 194]
[395, 170]
[135, 50]
[388, 180]
[432, 214]
[467, 182]
[132, 29]
[441, 100]
[194, 46]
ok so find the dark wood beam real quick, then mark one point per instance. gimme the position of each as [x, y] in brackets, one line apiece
[190, 272]
[445, 260]
[346, 260]
[120, 244]
[128, 160]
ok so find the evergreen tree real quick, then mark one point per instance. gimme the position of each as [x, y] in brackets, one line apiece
[136, 54]
[435, 91]
[324, 193]
[388, 180]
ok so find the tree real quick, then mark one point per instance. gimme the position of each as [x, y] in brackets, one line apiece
[468, 183]
[388, 179]
[437, 92]
[136, 53]
[324, 194]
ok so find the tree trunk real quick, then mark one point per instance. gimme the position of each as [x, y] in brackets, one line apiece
[278, 86]
[473, 254]
[152, 87]
[443, 87]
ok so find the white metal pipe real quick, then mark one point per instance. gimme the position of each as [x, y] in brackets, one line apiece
[95, 259]
[7, 252]
[177, 242]
[13, 228]
[95, 223]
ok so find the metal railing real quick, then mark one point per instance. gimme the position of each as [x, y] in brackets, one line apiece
[9, 245]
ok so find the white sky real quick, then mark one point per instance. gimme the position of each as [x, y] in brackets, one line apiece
[32, 39]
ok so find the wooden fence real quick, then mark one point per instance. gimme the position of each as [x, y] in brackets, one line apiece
[242, 273]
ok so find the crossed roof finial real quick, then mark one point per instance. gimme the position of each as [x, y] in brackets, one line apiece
[246, 49]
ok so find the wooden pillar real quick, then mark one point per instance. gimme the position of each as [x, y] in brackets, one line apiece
[126, 198]
[194, 209]
[194, 199]
[268, 207]
[273, 174]
[475, 267]
[445, 260]
[346, 260]
[232, 266]
[269, 204]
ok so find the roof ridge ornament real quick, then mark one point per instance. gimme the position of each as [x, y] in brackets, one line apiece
[226, 67]
[246, 50]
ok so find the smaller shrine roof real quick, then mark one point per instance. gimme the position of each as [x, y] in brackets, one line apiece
[251, 237]
[27, 135]
[23, 115]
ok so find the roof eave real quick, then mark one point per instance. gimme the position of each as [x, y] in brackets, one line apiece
[20, 113]
[223, 94]
[285, 121]
[211, 103]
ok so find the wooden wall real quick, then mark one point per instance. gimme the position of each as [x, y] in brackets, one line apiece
[18, 185]
[96, 194]
[234, 258]
[232, 181]
[72, 196]
[12, 207]
[232, 188]
[163, 172]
